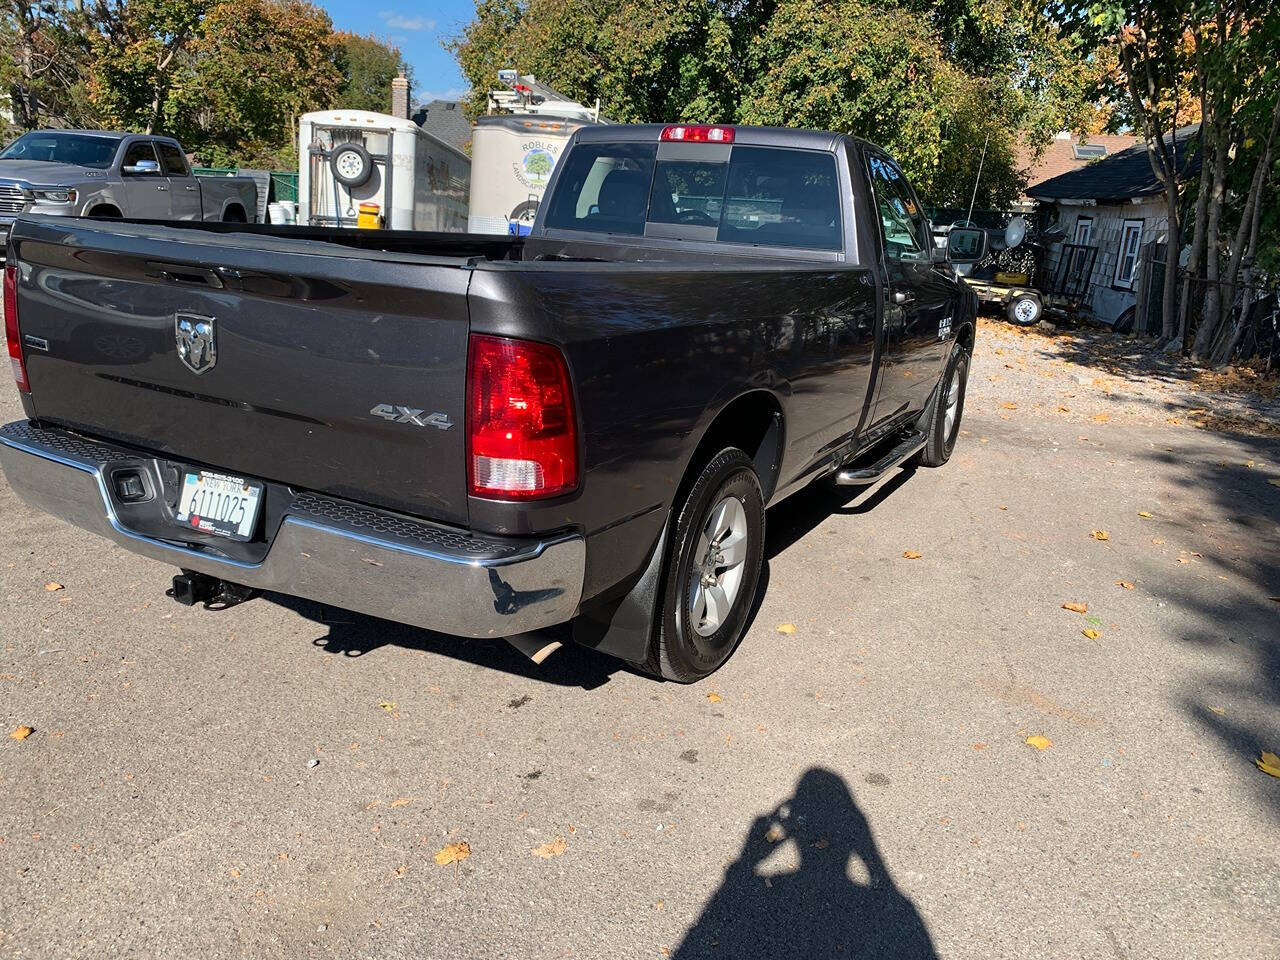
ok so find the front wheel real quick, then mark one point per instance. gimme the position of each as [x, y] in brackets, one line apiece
[711, 575]
[942, 420]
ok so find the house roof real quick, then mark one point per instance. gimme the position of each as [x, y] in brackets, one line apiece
[1060, 156]
[445, 121]
[1120, 176]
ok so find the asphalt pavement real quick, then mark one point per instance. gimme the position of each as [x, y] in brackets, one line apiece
[276, 779]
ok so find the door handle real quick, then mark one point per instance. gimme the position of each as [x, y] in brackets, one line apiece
[901, 297]
[162, 187]
[189, 187]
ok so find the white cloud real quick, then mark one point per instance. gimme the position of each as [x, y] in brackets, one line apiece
[454, 93]
[398, 21]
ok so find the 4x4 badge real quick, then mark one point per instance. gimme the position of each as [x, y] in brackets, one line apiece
[398, 414]
[197, 343]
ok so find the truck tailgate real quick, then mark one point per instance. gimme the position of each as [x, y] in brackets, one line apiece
[331, 369]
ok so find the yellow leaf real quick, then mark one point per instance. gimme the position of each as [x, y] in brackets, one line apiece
[774, 834]
[22, 733]
[912, 554]
[402, 801]
[1009, 406]
[1157, 540]
[1144, 514]
[1101, 418]
[453, 853]
[1039, 742]
[1076, 607]
[53, 586]
[1091, 633]
[714, 697]
[786, 628]
[1062, 409]
[1124, 583]
[1269, 763]
[553, 849]
[1219, 710]
[1100, 535]
[387, 705]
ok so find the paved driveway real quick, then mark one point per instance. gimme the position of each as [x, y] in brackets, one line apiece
[861, 787]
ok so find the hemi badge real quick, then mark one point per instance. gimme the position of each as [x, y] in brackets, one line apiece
[35, 342]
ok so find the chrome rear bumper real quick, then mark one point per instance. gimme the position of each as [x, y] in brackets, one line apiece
[332, 551]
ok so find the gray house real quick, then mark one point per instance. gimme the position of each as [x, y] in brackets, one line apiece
[1116, 206]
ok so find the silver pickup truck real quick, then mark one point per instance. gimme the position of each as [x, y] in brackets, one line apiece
[96, 173]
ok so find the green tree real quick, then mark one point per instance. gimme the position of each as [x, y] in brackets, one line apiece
[368, 66]
[931, 82]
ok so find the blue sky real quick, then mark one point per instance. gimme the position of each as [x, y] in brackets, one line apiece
[417, 29]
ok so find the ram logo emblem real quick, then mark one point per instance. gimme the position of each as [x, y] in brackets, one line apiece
[197, 342]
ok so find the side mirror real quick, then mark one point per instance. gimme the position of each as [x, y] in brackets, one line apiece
[966, 244]
[143, 168]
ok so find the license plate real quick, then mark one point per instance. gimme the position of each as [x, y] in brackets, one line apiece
[213, 503]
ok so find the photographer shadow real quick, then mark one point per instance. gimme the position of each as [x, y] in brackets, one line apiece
[817, 910]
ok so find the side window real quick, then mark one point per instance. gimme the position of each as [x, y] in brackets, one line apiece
[604, 188]
[901, 217]
[137, 152]
[1127, 260]
[172, 161]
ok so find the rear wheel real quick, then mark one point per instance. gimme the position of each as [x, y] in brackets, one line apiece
[1025, 309]
[942, 419]
[712, 572]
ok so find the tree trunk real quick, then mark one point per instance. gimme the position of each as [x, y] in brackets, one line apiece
[1173, 246]
[1191, 281]
[1212, 267]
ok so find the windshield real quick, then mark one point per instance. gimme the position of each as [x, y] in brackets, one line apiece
[82, 150]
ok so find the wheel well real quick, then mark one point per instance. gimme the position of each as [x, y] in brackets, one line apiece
[106, 210]
[752, 423]
[234, 214]
[965, 337]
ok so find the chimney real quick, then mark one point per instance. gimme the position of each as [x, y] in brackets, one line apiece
[400, 97]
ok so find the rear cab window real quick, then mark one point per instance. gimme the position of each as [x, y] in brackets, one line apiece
[743, 195]
[172, 161]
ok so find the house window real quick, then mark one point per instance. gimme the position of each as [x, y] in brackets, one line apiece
[1084, 231]
[1127, 260]
[1089, 151]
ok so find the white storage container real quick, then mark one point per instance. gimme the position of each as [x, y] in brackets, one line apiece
[344, 159]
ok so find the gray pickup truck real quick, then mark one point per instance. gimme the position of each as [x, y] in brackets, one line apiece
[94, 173]
[573, 435]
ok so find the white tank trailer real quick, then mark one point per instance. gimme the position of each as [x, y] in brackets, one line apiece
[350, 157]
[514, 149]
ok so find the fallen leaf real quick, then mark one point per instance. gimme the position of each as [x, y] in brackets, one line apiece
[387, 705]
[774, 834]
[53, 586]
[1101, 418]
[1173, 420]
[1158, 541]
[912, 554]
[786, 628]
[402, 801]
[1219, 710]
[553, 849]
[979, 746]
[1039, 742]
[1004, 506]
[1009, 406]
[1076, 607]
[1100, 535]
[1269, 763]
[21, 733]
[714, 697]
[1091, 633]
[1124, 583]
[453, 853]
[1062, 409]
[1144, 514]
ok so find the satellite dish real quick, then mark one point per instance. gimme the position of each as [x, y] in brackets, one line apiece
[1015, 232]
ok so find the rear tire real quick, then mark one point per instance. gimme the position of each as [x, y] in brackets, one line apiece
[712, 572]
[942, 419]
[1025, 310]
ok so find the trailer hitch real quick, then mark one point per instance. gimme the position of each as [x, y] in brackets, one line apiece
[190, 588]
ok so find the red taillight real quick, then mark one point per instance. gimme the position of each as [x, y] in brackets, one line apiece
[698, 133]
[11, 327]
[522, 436]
